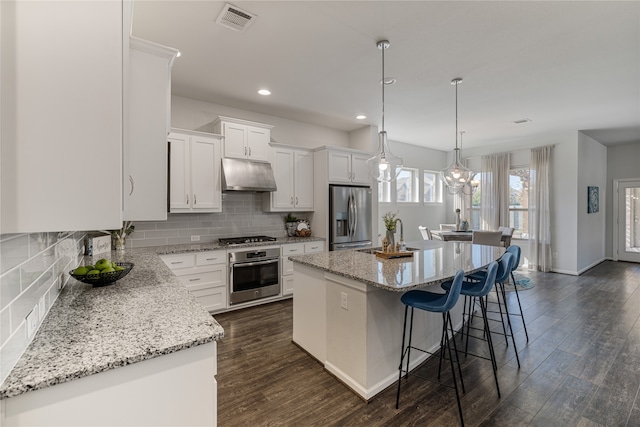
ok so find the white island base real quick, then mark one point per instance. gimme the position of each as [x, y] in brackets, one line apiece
[355, 329]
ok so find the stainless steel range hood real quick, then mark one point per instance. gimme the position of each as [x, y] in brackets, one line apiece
[245, 175]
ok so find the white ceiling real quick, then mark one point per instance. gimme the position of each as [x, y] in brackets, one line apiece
[565, 65]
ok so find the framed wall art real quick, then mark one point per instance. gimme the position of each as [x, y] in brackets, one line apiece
[593, 201]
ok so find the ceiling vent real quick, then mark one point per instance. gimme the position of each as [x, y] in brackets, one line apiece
[235, 18]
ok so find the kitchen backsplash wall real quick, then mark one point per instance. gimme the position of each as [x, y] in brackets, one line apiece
[241, 215]
[31, 267]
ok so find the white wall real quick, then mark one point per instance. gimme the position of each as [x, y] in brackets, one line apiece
[623, 161]
[192, 114]
[592, 171]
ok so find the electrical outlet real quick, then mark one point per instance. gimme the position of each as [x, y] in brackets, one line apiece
[195, 238]
[32, 322]
[555, 255]
[344, 300]
[41, 308]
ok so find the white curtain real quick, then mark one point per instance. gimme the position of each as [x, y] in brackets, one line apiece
[539, 216]
[494, 202]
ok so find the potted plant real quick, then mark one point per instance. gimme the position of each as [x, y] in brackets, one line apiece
[290, 223]
[390, 222]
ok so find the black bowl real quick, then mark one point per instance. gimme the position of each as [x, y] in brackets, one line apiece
[104, 279]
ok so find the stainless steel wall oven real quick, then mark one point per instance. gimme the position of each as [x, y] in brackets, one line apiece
[254, 273]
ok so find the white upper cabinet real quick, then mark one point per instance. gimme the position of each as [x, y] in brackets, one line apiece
[194, 172]
[243, 139]
[145, 159]
[293, 170]
[62, 114]
[348, 168]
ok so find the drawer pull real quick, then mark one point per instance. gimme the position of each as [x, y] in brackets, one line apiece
[293, 250]
[211, 259]
[177, 262]
[194, 280]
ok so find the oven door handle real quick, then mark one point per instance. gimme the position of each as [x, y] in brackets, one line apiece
[253, 264]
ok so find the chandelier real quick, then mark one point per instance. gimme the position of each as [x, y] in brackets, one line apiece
[456, 177]
[384, 166]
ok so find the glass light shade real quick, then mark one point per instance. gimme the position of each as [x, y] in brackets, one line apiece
[456, 176]
[384, 166]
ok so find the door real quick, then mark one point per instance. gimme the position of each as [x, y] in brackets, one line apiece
[303, 180]
[339, 167]
[361, 221]
[258, 144]
[360, 170]
[235, 137]
[628, 220]
[179, 177]
[205, 176]
[339, 208]
[282, 162]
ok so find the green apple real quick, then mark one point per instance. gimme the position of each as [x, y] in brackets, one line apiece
[118, 268]
[103, 263]
[113, 264]
[81, 271]
[93, 274]
[89, 267]
[107, 270]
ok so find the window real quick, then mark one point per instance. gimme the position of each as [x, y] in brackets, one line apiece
[407, 186]
[432, 189]
[474, 210]
[519, 202]
[384, 192]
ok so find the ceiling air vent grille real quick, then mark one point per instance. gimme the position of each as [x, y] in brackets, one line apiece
[235, 18]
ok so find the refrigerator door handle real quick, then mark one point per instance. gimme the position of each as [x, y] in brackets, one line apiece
[351, 215]
[355, 218]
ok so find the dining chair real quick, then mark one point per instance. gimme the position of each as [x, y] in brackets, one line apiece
[448, 227]
[489, 238]
[426, 233]
[506, 231]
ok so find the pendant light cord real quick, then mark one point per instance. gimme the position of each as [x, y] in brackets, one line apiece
[383, 49]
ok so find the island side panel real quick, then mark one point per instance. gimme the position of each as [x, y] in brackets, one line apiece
[309, 311]
[174, 389]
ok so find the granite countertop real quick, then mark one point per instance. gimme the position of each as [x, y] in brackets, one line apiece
[432, 262]
[146, 314]
[212, 246]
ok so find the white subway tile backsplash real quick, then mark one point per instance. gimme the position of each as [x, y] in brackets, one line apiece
[37, 261]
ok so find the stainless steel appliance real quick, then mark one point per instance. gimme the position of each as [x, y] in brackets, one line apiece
[349, 217]
[254, 273]
[249, 239]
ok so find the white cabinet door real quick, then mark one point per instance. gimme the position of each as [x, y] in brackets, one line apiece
[62, 112]
[179, 172]
[303, 180]
[145, 194]
[282, 164]
[339, 167]
[194, 172]
[359, 169]
[258, 143]
[235, 137]
[205, 174]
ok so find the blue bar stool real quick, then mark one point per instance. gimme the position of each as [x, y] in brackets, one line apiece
[505, 267]
[477, 293]
[437, 303]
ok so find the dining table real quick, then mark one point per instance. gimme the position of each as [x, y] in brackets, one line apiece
[463, 236]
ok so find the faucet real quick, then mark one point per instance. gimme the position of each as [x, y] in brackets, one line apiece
[403, 245]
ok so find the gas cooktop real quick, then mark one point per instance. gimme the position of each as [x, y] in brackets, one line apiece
[248, 239]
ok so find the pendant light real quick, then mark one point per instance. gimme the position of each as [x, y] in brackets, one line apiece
[456, 177]
[384, 166]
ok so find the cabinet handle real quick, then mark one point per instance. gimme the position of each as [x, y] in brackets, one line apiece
[291, 202]
[195, 200]
[211, 259]
[177, 262]
[293, 250]
[132, 184]
[194, 280]
[245, 151]
[187, 199]
[296, 200]
[249, 151]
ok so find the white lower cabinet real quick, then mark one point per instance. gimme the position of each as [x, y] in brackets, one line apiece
[176, 389]
[287, 265]
[205, 276]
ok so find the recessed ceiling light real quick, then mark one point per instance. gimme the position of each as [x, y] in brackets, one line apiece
[361, 117]
[264, 92]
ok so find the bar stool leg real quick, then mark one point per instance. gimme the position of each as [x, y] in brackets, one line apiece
[453, 338]
[524, 324]
[494, 364]
[506, 310]
[501, 316]
[453, 371]
[402, 350]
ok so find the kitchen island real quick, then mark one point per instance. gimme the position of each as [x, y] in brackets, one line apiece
[347, 311]
[141, 351]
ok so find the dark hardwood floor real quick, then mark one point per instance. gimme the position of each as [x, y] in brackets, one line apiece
[581, 366]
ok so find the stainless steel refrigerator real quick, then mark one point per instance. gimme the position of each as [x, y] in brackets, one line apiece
[349, 217]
